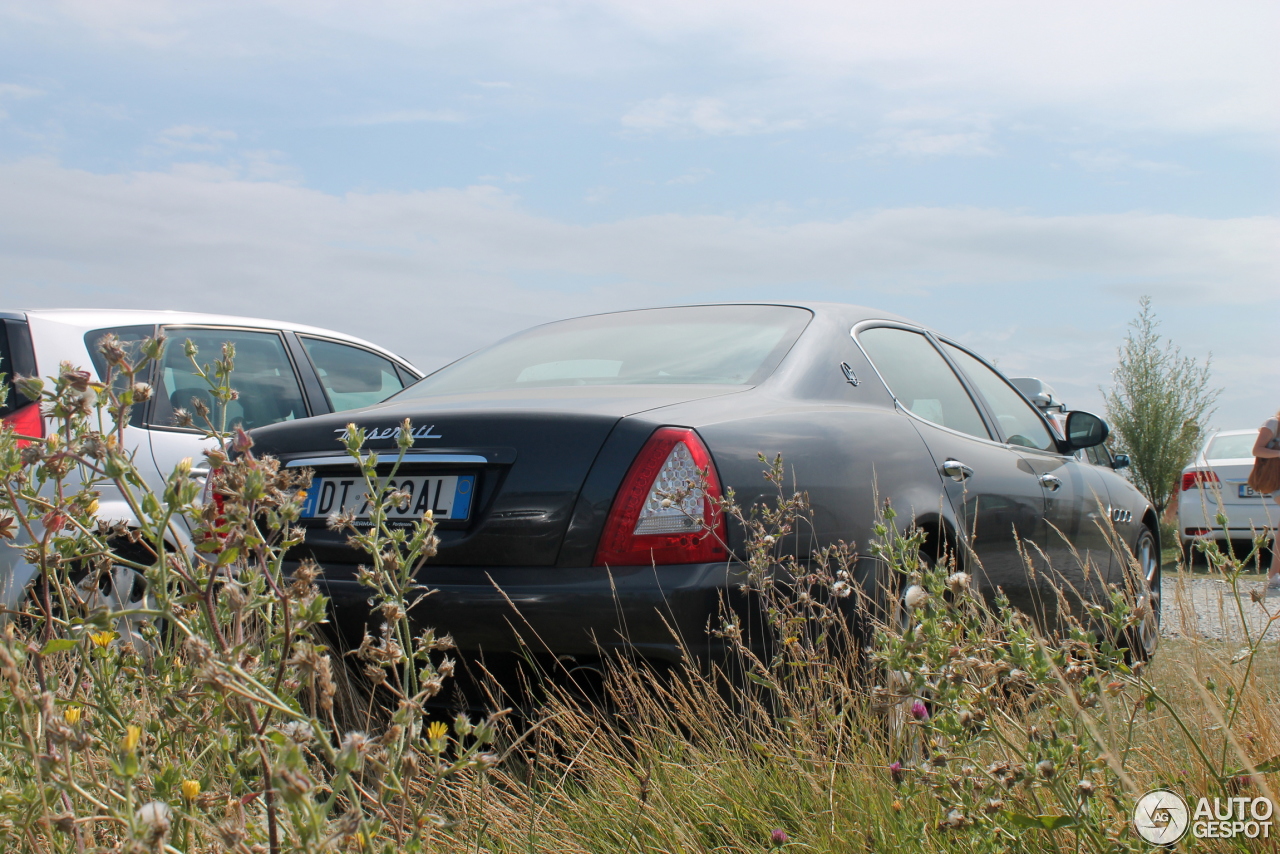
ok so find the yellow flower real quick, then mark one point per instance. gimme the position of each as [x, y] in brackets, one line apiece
[437, 730]
[190, 789]
[132, 735]
[72, 715]
[103, 639]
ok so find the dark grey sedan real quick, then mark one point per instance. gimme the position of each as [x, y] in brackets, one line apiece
[546, 458]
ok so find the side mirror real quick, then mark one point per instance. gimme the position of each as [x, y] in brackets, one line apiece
[1120, 461]
[1084, 430]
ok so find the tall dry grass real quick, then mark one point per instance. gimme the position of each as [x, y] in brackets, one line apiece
[910, 717]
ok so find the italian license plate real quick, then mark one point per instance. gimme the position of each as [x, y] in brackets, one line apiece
[1247, 492]
[446, 496]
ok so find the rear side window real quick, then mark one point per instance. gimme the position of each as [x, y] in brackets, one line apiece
[6, 370]
[921, 379]
[16, 359]
[131, 338]
[352, 376]
[695, 345]
[263, 376]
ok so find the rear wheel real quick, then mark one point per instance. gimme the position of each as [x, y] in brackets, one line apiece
[1144, 582]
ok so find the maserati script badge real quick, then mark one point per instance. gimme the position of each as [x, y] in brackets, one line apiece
[374, 433]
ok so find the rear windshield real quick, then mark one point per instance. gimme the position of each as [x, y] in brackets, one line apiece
[1231, 447]
[697, 345]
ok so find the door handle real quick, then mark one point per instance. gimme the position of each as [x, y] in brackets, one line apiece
[1050, 482]
[956, 470]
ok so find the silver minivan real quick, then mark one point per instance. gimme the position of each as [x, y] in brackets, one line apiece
[283, 371]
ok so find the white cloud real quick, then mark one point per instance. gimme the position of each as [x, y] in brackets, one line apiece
[468, 264]
[18, 92]
[195, 138]
[401, 117]
[918, 141]
[692, 176]
[1188, 66]
[1107, 160]
[712, 116]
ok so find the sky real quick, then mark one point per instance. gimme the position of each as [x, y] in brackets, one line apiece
[433, 176]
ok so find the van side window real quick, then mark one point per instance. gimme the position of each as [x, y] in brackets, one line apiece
[263, 376]
[131, 338]
[352, 376]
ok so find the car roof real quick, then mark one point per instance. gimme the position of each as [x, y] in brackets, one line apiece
[843, 312]
[1252, 432]
[96, 318]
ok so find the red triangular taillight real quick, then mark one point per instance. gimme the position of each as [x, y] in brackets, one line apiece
[657, 517]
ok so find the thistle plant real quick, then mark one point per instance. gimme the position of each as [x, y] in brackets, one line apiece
[202, 717]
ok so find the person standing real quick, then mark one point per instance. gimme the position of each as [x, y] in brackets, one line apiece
[1268, 445]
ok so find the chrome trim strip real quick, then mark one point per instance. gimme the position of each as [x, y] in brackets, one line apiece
[408, 458]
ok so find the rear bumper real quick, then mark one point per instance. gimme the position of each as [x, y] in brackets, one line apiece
[655, 612]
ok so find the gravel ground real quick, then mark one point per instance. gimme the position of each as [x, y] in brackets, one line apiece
[1206, 608]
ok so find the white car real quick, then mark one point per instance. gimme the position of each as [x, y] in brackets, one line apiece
[1217, 482]
[283, 371]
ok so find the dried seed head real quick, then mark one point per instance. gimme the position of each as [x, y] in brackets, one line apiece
[915, 596]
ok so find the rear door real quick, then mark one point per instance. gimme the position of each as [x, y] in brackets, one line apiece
[1073, 536]
[992, 488]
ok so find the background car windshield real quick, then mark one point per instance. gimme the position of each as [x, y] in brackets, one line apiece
[716, 345]
[1231, 447]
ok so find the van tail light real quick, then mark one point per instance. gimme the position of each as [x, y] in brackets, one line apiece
[214, 540]
[657, 518]
[26, 421]
[1192, 479]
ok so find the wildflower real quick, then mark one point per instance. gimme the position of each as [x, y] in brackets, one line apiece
[841, 589]
[436, 732]
[1084, 788]
[1046, 769]
[8, 525]
[915, 596]
[896, 772]
[154, 817]
[778, 837]
[919, 711]
[103, 639]
[132, 735]
[190, 790]
[896, 806]
[72, 715]
[958, 582]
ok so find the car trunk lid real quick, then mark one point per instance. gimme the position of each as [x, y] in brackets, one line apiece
[520, 457]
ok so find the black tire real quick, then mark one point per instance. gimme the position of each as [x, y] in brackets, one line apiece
[1143, 578]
